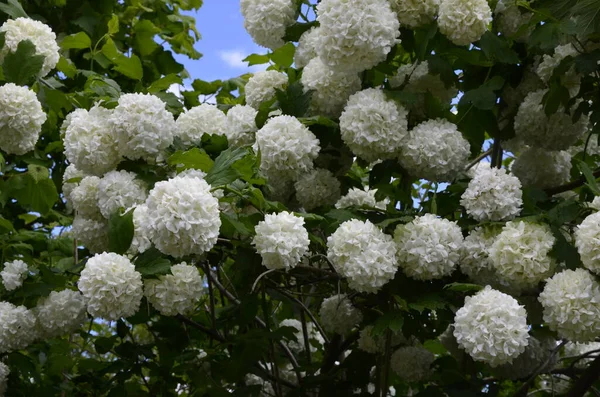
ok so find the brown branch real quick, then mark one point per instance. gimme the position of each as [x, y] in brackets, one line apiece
[587, 379]
[213, 334]
[571, 185]
[478, 159]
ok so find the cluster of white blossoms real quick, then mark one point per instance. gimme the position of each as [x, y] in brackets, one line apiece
[510, 19]
[575, 350]
[534, 357]
[543, 169]
[175, 293]
[17, 327]
[89, 141]
[40, 34]
[13, 274]
[521, 254]
[307, 47]
[185, 216]
[415, 13]
[143, 127]
[120, 189]
[373, 126]
[412, 363]
[418, 80]
[339, 315]
[267, 20]
[355, 36]
[464, 21]
[314, 337]
[4, 372]
[360, 198]
[84, 198]
[492, 327]
[364, 254]
[492, 195]
[317, 188]
[435, 150]
[571, 301]
[71, 179]
[281, 240]
[287, 147]
[262, 85]
[141, 223]
[21, 119]
[371, 343]
[60, 313]
[111, 286]
[571, 80]
[474, 259]
[92, 233]
[330, 88]
[197, 121]
[556, 132]
[240, 126]
[428, 247]
[587, 241]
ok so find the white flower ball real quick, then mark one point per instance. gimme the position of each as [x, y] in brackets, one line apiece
[579, 349]
[361, 198]
[40, 34]
[521, 254]
[542, 169]
[355, 36]
[415, 13]
[84, 198]
[313, 335]
[509, 18]
[339, 315]
[13, 274]
[17, 327]
[571, 301]
[120, 189]
[307, 47]
[267, 20]
[141, 226]
[287, 147]
[492, 195]
[571, 80]
[111, 285]
[492, 327]
[4, 372]
[557, 132]
[464, 21]
[587, 241]
[281, 240]
[200, 120]
[428, 247]
[595, 204]
[89, 141]
[240, 128]
[373, 126]
[175, 293]
[60, 313]
[412, 363]
[71, 172]
[435, 150]
[330, 89]
[92, 233]
[534, 357]
[185, 216]
[142, 126]
[317, 188]
[376, 343]
[364, 254]
[474, 259]
[261, 87]
[420, 81]
[21, 119]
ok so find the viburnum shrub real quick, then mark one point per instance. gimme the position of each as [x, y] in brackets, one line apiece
[403, 202]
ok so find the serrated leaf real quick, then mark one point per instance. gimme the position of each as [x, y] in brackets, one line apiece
[120, 231]
[113, 25]
[318, 120]
[164, 83]
[484, 97]
[294, 101]
[127, 66]
[155, 267]
[22, 66]
[194, 158]
[14, 9]
[498, 49]
[256, 59]
[295, 31]
[36, 194]
[78, 41]
[223, 173]
[392, 320]
[284, 55]
[463, 287]
[589, 177]
[5, 225]
[104, 345]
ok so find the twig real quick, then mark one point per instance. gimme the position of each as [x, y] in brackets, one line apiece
[591, 374]
[212, 333]
[259, 277]
[478, 159]
[525, 387]
[571, 185]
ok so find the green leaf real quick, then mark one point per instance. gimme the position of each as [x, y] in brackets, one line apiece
[586, 63]
[498, 49]
[284, 55]
[130, 67]
[120, 231]
[164, 83]
[557, 95]
[194, 158]
[463, 287]
[295, 31]
[22, 66]
[104, 345]
[206, 87]
[6, 225]
[393, 320]
[145, 31]
[223, 171]
[294, 101]
[318, 120]
[423, 37]
[36, 193]
[14, 9]
[2, 39]
[78, 40]
[230, 225]
[484, 96]
[589, 177]
[158, 266]
[113, 25]
[256, 59]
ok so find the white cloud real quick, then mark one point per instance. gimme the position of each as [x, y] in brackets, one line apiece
[235, 60]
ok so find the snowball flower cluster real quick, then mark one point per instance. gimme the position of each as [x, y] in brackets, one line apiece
[521, 254]
[240, 126]
[71, 173]
[360, 198]
[428, 247]
[464, 21]
[281, 240]
[175, 293]
[17, 327]
[492, 195]
[40, 34]
[317, 188]
[412, 363]
[287, 147]
[571, 80]
[267, 20]
[197, 121]
[142, 126]
[84, 198]
[21, 119]
[474, 259]
[261, 87]
[120, 189]
[4, 372]
[542, 169]
[339, 315]
[313, 335]
[415, 13]
[492, 327]
[13, 274]
[307, 47]
[185, 216]
[587, 241]
[571, 301]
[435, 150]
[355, 36]
[534, 356]
[371, 343]
[373, 126]
[141, 224]
[111, 285]
[92, 233]
[418, 80]
[60, 312]
[579, 349]
[89, 142]
[364, 254]
[510, 19]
